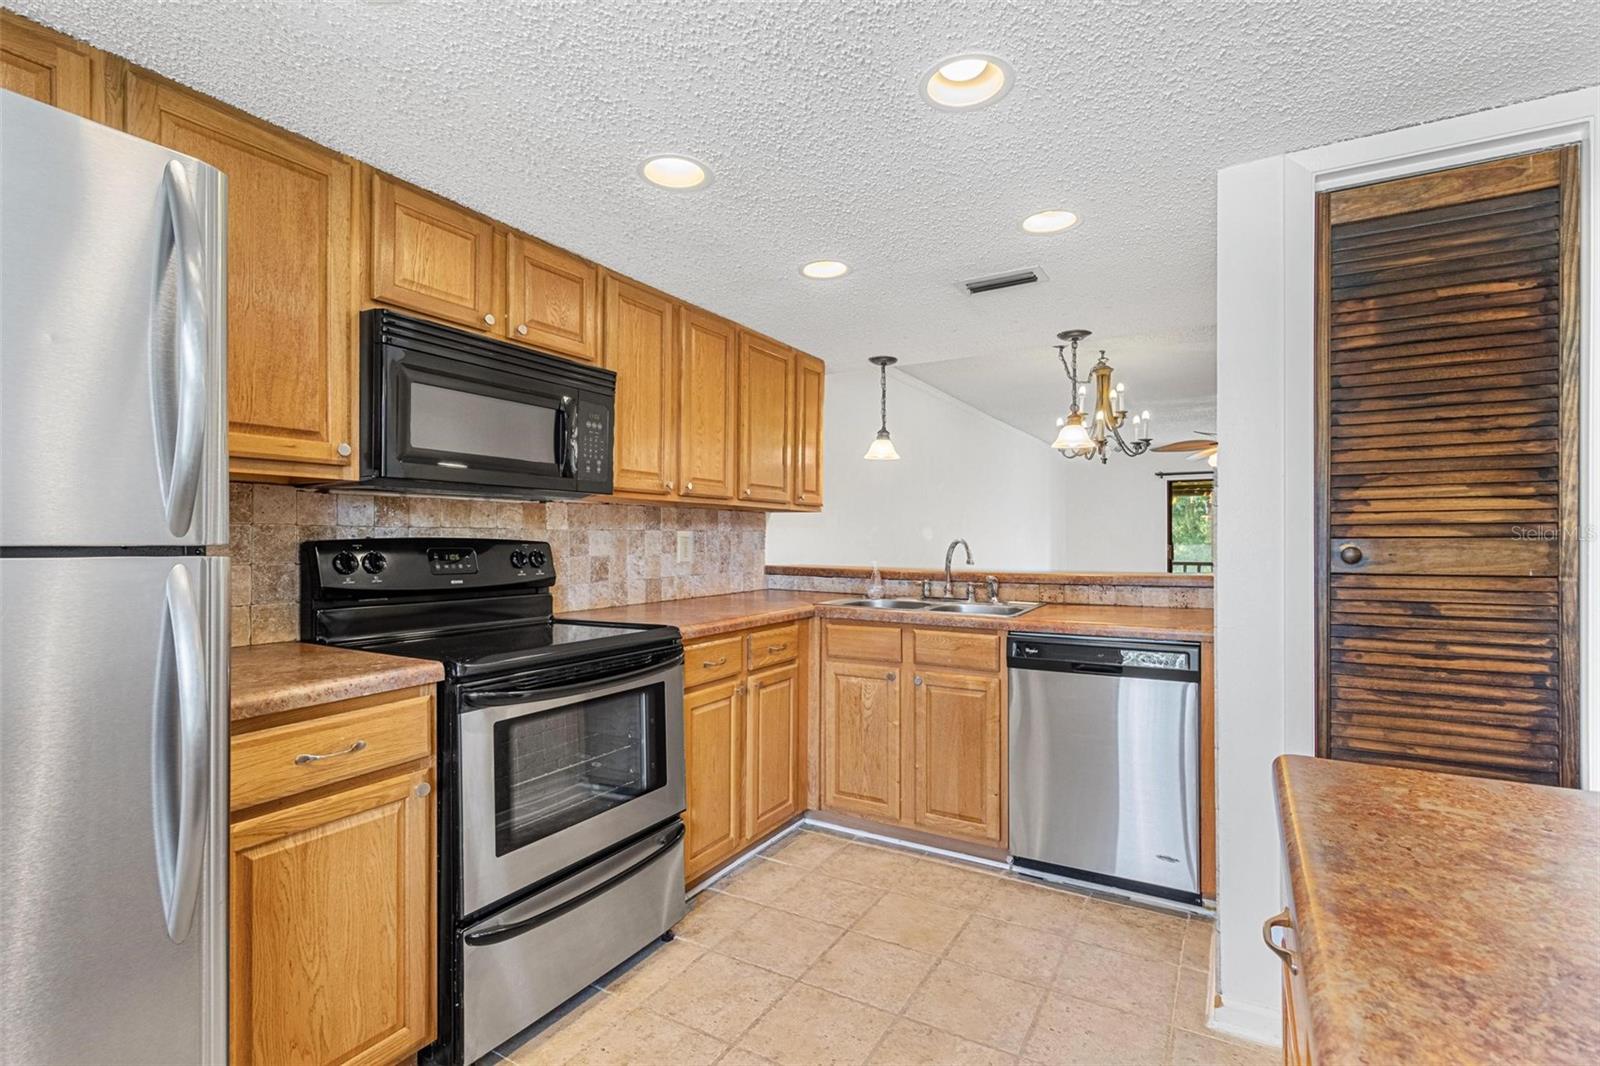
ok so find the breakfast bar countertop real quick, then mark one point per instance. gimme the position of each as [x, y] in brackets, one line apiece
[1442, 918]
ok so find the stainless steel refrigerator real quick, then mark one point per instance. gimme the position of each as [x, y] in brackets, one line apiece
[113, 616]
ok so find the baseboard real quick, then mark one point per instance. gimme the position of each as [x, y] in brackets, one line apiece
[1249, 1021]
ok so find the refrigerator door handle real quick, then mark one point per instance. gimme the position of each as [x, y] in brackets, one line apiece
[181, 833]
[189, 344]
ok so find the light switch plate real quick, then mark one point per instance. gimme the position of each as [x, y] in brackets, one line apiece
[685, 546]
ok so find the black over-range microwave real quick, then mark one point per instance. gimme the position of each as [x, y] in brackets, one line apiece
[446, 412]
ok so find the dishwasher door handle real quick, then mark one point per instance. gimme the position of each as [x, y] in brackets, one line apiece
[1096, 668]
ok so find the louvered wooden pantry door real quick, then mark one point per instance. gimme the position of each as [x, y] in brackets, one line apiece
[1448, 470]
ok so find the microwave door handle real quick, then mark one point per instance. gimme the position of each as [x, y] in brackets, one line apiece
[501, 697]
[184, 242]
[567, 427]
[518, 926]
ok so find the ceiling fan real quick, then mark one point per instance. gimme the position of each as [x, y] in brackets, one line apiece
[1202, 446]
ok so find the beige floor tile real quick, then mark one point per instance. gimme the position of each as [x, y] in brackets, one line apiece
[713, 916]
[779, 941]
[565, 1032]
[813, 1027]
[643, 1038]
[1194, 1049]
[804, 848]
[828, 899]
[1193, 988]
[1072, 1031]
[954, 885]
[761, 880]
[1116, 979]
[1050, 910]
[651, 969]
[910, 1043]
[1134, 930]
[1008, 950]
[980, 1006]
[719, 995]
[870, 970]
[738, 1056]
[1197, 944]
[920, 924]
[870, 865]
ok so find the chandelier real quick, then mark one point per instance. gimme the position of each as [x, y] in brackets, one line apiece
[1084, 435]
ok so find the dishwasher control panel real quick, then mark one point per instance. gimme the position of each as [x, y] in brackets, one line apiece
[1052, 651]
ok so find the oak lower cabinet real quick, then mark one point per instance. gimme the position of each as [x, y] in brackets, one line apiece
[744, 738]
[913, 728]
[331, 884]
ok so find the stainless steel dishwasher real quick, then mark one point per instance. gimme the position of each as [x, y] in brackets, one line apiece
[1105, 761]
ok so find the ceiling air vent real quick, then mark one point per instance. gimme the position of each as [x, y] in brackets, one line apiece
[1008, 280]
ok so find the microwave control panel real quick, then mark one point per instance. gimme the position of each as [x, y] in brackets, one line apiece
[591, 444]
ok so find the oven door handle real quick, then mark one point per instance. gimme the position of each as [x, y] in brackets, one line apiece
[508, 930]
[474, 701]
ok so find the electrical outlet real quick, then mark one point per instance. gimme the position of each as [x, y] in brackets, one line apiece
[685, 546]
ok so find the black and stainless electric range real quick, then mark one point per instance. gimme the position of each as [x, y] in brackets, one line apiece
[560, 768]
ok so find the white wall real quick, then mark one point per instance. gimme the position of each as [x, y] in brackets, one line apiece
[1117, 513]
[961, 474]
[1264, 623]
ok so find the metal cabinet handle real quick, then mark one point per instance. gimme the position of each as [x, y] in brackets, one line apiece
[1350, 554]
[708, 664]
[343, 449]
[669, 483]
[889, 676]
[301, 760]
[688, 486]
[522, 330]
[745, 494]
[917, 680]
[773, 649]
[488, 320]
[1280, 921]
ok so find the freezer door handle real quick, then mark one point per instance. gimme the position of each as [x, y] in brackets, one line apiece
[182, 764]
[182, 239]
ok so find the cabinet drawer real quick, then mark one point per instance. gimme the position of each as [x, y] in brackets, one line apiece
[862, 642]
[373, 733]
[769, 647]
[958, 648]
[711, 660]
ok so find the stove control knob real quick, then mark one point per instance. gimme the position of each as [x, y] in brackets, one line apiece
[537, 558]
[373, 562]
[519, 559]
[344, 563]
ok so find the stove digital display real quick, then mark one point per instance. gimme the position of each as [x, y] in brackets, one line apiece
[452, 560]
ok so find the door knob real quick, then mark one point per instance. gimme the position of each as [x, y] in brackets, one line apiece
[1350, 554]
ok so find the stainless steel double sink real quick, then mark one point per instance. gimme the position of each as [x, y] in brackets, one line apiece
[999, 610]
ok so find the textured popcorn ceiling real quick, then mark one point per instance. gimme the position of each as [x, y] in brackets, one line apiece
[808, 114]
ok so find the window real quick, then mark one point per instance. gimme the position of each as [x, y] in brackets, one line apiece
[1190, 507]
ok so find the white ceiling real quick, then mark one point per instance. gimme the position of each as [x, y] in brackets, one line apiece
[807, 112]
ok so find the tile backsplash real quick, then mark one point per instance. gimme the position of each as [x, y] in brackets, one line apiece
[606, 554]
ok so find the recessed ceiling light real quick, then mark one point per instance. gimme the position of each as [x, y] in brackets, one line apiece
[966, 81]
[674, 172]
[825, 268]
[1049, 221]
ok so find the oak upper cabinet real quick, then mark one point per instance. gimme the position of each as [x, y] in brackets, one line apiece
[861, 738]
[554, 299]
[292, 369]
[708, 406]
[713, 718]
[51, 68]
[809, 376]
[956, 746]
[641, 346]
[766, 420]
[772, 740]
[431, 256]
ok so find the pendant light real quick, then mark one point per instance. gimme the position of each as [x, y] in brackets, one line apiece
[882, 447]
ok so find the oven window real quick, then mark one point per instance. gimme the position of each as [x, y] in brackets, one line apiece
[467, 423]
[557, 768]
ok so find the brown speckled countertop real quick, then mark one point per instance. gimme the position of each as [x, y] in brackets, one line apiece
[707, 616]
[1443, 918]
[976, 576]
[268, 678]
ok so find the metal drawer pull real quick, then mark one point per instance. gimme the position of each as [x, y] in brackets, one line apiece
[709, 664]
[1280, 921]
[301, 760]
[773, 649]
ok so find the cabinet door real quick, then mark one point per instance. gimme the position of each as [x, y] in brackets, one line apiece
[331, 927]
[956, 723]
[809, 375]
[292, 368]
[555, 300]
[52, 69]
[772, 749]
[708, 402]
[712, 723]
[431, 256]
[861, 739]
[766, 420]
[639, 346]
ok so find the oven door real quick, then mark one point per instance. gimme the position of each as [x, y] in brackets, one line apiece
[457, 421]
[550, 778]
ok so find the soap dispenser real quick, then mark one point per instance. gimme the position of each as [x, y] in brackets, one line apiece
[875, 589]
